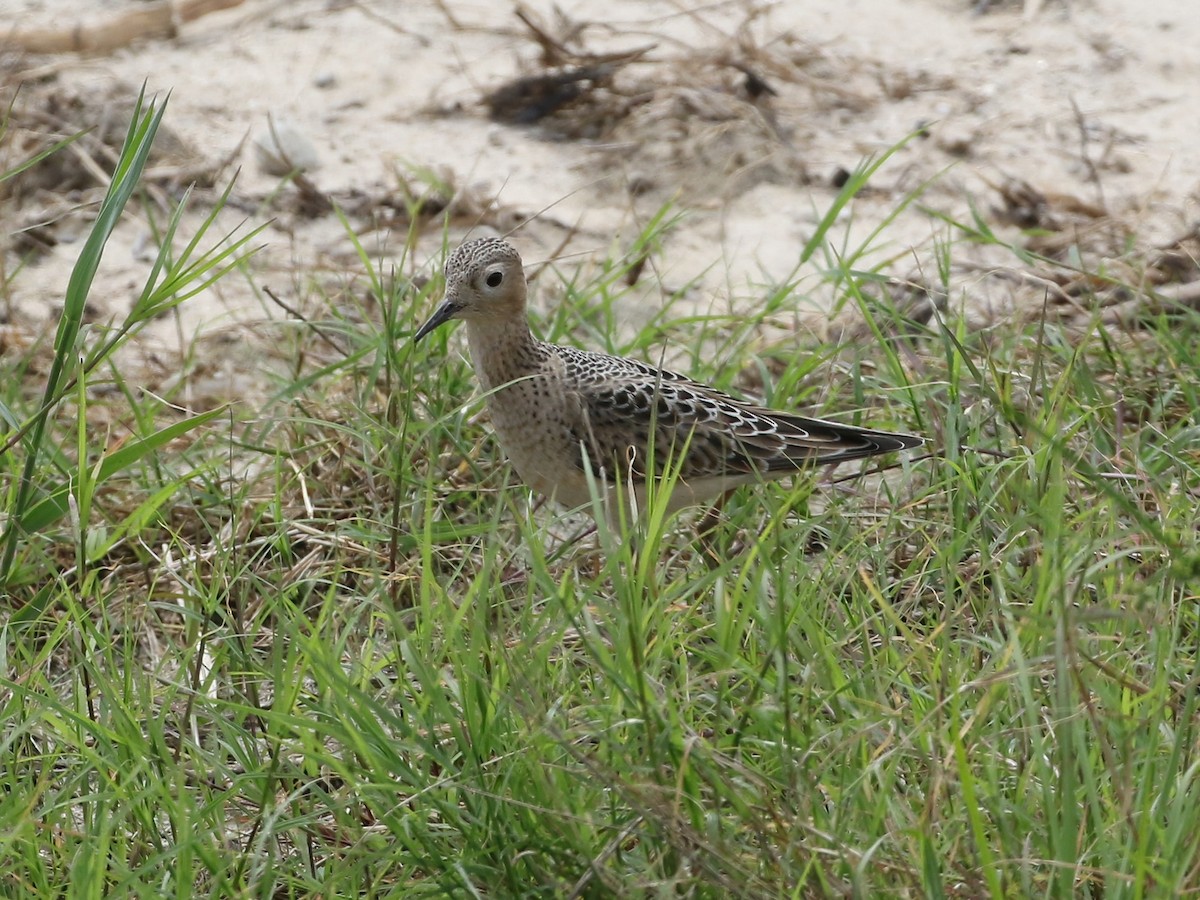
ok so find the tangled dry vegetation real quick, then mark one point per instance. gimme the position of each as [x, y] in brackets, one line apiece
[706, 123]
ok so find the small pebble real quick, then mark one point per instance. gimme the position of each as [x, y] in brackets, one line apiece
[957, 140]
[282, 148]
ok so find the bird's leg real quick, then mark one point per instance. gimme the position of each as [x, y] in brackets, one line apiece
[706, 530]
[570, 542]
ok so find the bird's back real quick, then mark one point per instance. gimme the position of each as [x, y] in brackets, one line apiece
[637, 419]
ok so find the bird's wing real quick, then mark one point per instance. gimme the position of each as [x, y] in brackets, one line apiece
[641, 418]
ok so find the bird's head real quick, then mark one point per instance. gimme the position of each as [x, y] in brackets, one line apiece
[484, 281]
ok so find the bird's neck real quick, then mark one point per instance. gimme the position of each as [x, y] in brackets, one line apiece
[503, 351]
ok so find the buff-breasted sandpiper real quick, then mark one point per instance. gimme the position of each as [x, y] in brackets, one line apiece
[571, 420]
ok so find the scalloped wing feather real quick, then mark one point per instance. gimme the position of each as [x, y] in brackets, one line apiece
[623, 402]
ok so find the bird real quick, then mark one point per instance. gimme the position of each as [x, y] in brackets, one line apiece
[578, 425]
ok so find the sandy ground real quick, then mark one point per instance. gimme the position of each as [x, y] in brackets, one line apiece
[740, 115]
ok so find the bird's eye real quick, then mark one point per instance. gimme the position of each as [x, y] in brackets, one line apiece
[494, 279]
